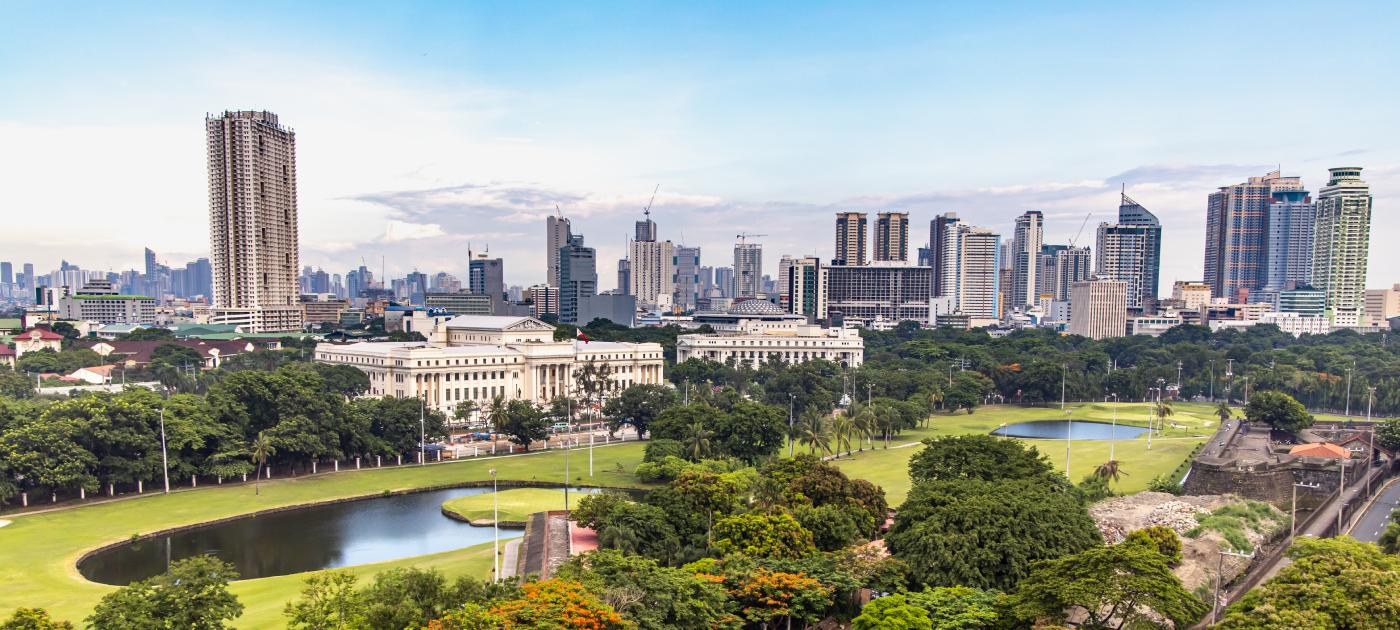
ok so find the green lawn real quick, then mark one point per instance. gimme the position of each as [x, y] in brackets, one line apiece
[515, 504]
[39, 552]
[1190, 425]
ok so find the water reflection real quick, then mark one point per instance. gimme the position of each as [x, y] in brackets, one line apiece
[1060, 429]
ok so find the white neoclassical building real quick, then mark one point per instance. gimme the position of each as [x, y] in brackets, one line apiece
[478, 357]
[754, 340]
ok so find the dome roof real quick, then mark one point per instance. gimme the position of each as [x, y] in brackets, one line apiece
[755, 307]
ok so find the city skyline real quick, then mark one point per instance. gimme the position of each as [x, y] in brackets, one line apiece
[468, 150]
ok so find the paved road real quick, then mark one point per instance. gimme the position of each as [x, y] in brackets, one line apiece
[1371, 524]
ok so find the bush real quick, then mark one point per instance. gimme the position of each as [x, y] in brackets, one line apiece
[661, 448]
[1159, 537]
[668, 468]
[1094, 488]
[1164, 483]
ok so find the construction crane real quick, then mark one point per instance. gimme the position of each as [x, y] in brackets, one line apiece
[647, 210]
[745, 236]
[1081, 230]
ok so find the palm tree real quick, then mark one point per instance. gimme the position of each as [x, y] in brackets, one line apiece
[1109, 470]
[865, 424]
[262, 449]
[842, 428]
[496, 413]
[814, 432]
[698, 440]
[1224, 411]
[1164, 411]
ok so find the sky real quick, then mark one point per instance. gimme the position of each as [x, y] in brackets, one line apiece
[424, 129]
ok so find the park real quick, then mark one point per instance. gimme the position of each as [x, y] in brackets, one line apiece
[43, 549]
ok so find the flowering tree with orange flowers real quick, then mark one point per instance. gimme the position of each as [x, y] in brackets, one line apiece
[556, 604]
[766, 596]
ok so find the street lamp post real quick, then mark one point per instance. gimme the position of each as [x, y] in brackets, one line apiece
[1371, 448]
[1219, 569]
[566, 473]
[423, 430]
[1349, 370]
[496, 530]
[164, 461]
[792, 436]
[1113, 432]
[1212, 380]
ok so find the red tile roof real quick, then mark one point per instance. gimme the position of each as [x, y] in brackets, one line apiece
[44, 333]
[1320, 449]
[6, 351]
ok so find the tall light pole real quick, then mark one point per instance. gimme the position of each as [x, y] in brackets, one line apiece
[1064, 373]
[792, 434]
[1371, 448]
[1113, 433]
[496, 531]
[164, 461]
[423, 430]
[1349, 370]
[1212, 380]
[1219, 568]
[566, 474]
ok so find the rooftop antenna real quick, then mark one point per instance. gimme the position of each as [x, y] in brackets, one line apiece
[557, 211]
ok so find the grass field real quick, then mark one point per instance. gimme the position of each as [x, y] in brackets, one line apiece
[514, 504]
[39, 552]
[1189, 426]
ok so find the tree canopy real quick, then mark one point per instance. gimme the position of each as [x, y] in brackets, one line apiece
[1123, 585]
[1332, 583]
[982, 457]
[193, 595]
[1278, 410]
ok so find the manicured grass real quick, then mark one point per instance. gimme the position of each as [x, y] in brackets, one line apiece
[40, 551]
[515, 504]
[1191, 424]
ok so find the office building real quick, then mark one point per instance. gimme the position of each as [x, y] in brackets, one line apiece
[253, 240]
[943, 252]
[1237, 231]
[459, 303]
[1099, 309]
[1072, 264]
[1341, 244]
[7, 273]
[473, 358]
[892, 236]
[1191, 296]
[98, 301]
[686, 281]
[706, 279]
[759, 341]
[977, 276]
[784, 273]
[850, 239]
[878, 292]
[1131, 251]
[486, 276]
[556, 236]
[1026, 243]
[748, 270]
[724, 280]
[578, 280]
[544, 299]
[650, 269]
[1382, 304]
[805, 293]
[1288, 255]
[624, 276]
[1303, 300]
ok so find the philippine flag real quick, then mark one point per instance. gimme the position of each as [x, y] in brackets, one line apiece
[580, 336]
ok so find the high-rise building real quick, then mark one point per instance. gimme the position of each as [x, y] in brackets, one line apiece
[487, 276]
[977, 273]
[943, 246]
[1382, 304]
[416, 287]
[724, 280]
[850, 239]
[706, 280]
[1099, 308]
[880, 291]
[650, 265]
[7, 273]
[624, 276]
[1191, 296]
[1291, 221]
[1237, 235]
[806, 295]
[29, 282]
[686, 281]
[1063, 265]
[784, 269]
[1341, 243]
[748, 269]
[1026, 243]
[892, 236]
[556, 235]
[253, 239]
[1131, 251]
[578, 280]
[544, 299]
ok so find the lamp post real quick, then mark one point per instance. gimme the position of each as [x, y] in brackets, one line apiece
[792, 435]
[423, 430]
[566, 474]
[1113, 432]
[496, 531]
[1178, 378]
[1212, 380]
[1371, 448]
[164, 461]
[1064, 373]
[1349, 371]
[1219, 569]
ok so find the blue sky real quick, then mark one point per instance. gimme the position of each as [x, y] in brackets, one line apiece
[426, 127]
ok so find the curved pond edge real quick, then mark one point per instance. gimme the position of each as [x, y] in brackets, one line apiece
[73, 566]
[462, 519]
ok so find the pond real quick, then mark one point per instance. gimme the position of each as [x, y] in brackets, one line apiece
[1073, 429]
[305, 539]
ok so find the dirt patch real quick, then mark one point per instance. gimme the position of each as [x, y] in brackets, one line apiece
[1117, 516]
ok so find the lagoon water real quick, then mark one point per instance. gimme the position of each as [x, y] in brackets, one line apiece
[1060, 429]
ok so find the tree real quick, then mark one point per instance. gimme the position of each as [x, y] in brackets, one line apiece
[523, 423]
[346, 380]
[697, 442]
[765, 596]
[639, 406]
[260, 450]
[751, 431]
[961, 607]
[842, 429]
[148, 334]
[1109, 470]
[557, 603]
[406, 598]
[983, 457]
[647, 594]
[1332, 583]
[1159, 537]
[892, 613]
[1387, 434]
[986, 534]
[1278, 410]
[593, 379]
[1223, 411]
[15, 385]
[763, 536]
[193, 595]
[328, 601]
[967, 391]
[1116, 586]
[33, 619]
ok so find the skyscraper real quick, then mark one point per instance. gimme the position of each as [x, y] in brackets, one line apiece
[1291, 221]
[7, 273]
[724, 279]
[977, 272]
[1026, 242]
[784, 270]
[578, 278]
[686, 264]
[1237, 235]
[850, 239]
[253, 221]
[943, 245]
[29, 281]
[624, 276]
[748, 269]
[1131, 251]
[486, 276]
[892, 236]
[556, 235]
[1071, 266]
[650, 265]
[806, 295]
[1341, 243]
[1098, 309]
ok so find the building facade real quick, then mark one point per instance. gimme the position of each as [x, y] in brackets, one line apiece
[892, 236]
[1130, 251]
[1342, 242]
[1292, 219]
[1027, 240]
[253, 239]
[806, 293]
[650, 270]
[1099, 309]
[941, 257]
[1237, 230]
[879, 292]
[98, 301]
[686, 281]
[474, 359]
[1382, 304]
[578, 279]
[556, 235]
[748, 269]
